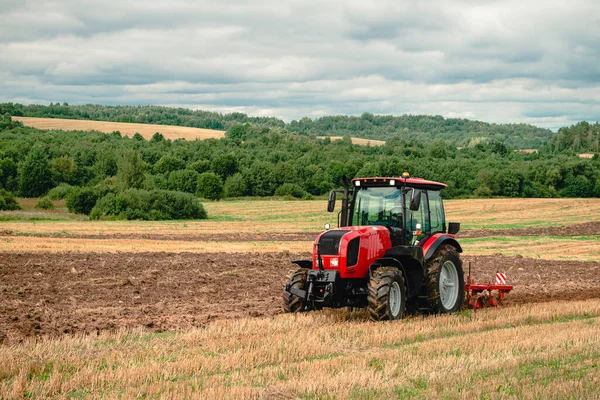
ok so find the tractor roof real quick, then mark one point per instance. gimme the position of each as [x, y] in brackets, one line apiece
[399, 181]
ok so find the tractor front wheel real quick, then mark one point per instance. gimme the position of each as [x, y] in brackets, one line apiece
[387, 294]
[291, 302]
[445, 281]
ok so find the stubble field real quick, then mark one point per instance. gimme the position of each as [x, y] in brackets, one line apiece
[192, 308]
[127, 129]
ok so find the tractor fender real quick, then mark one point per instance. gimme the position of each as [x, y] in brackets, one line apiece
[303, 263]
[435, 241]
[411, 270]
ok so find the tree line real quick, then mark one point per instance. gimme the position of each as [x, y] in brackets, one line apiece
[119, 175]
[582, 137]
[460, 132]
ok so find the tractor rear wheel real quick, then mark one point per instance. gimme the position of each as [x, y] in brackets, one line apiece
[291, 302]
[445, 281]
[387, 294]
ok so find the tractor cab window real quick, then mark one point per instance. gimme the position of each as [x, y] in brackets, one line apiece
[417, 218]
[436, 210]
[378, 206]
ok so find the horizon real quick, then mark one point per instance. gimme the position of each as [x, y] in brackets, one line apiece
[288, 121]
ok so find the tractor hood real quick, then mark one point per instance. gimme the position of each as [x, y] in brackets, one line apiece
[351, 249]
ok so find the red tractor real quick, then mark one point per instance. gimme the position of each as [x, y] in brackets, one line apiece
[392, 253]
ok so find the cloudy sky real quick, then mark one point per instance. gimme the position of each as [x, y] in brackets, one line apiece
[498, 61]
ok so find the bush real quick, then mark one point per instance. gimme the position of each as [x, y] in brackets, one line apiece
[290, 189]
[210, 186]
[45, 204]
[235, 186]
[148, 205]
[185, 180]
[82, 200]
[60, 192]
[7, 201]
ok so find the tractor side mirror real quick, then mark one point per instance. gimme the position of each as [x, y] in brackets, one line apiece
[415, 200]
[331, 201]
[453, 228]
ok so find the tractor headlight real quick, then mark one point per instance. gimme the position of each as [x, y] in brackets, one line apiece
[334, 262]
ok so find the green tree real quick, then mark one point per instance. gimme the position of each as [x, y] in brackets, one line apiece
[106, 164]
[35, 176]
[225, 165]
[261, 178]
[168, 164]
[131, 170]
[235, 186]
[285, 172]
[157, 138]
[65, 168]
[200, 166]
[438, 149]
[8, 174]
[238, 131]
[185, 180]
[209, 186]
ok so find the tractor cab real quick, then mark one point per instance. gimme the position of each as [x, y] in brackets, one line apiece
[410, 208]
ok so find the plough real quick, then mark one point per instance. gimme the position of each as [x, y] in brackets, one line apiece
[480, 295]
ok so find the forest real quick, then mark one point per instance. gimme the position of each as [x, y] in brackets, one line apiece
[110, 175]
[460, 132]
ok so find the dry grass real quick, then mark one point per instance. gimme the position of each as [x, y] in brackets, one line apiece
[225, 217]
[59, 245]
[546, 350]
[285, 216]
[526, 151]
[547, 248]
[360, 141]
[263, 216]
[521, 213]
[127, 129]
[580, 248]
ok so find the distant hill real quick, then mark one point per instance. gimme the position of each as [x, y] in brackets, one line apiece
[582, 137]
[460, 132]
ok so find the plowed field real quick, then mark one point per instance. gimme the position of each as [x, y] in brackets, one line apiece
[51, 294]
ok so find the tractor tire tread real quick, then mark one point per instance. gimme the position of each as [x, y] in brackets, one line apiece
[378, 293]
[291, 302]
[432, 276]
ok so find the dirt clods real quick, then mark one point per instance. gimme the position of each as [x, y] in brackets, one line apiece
[41, 295]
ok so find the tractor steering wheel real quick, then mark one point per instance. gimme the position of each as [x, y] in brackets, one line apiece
[396, 217]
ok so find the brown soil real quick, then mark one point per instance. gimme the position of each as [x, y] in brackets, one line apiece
[585, 229]
[49, 294]
[214, 237]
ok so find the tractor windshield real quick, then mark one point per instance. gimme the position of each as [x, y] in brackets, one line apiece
[378, 206]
